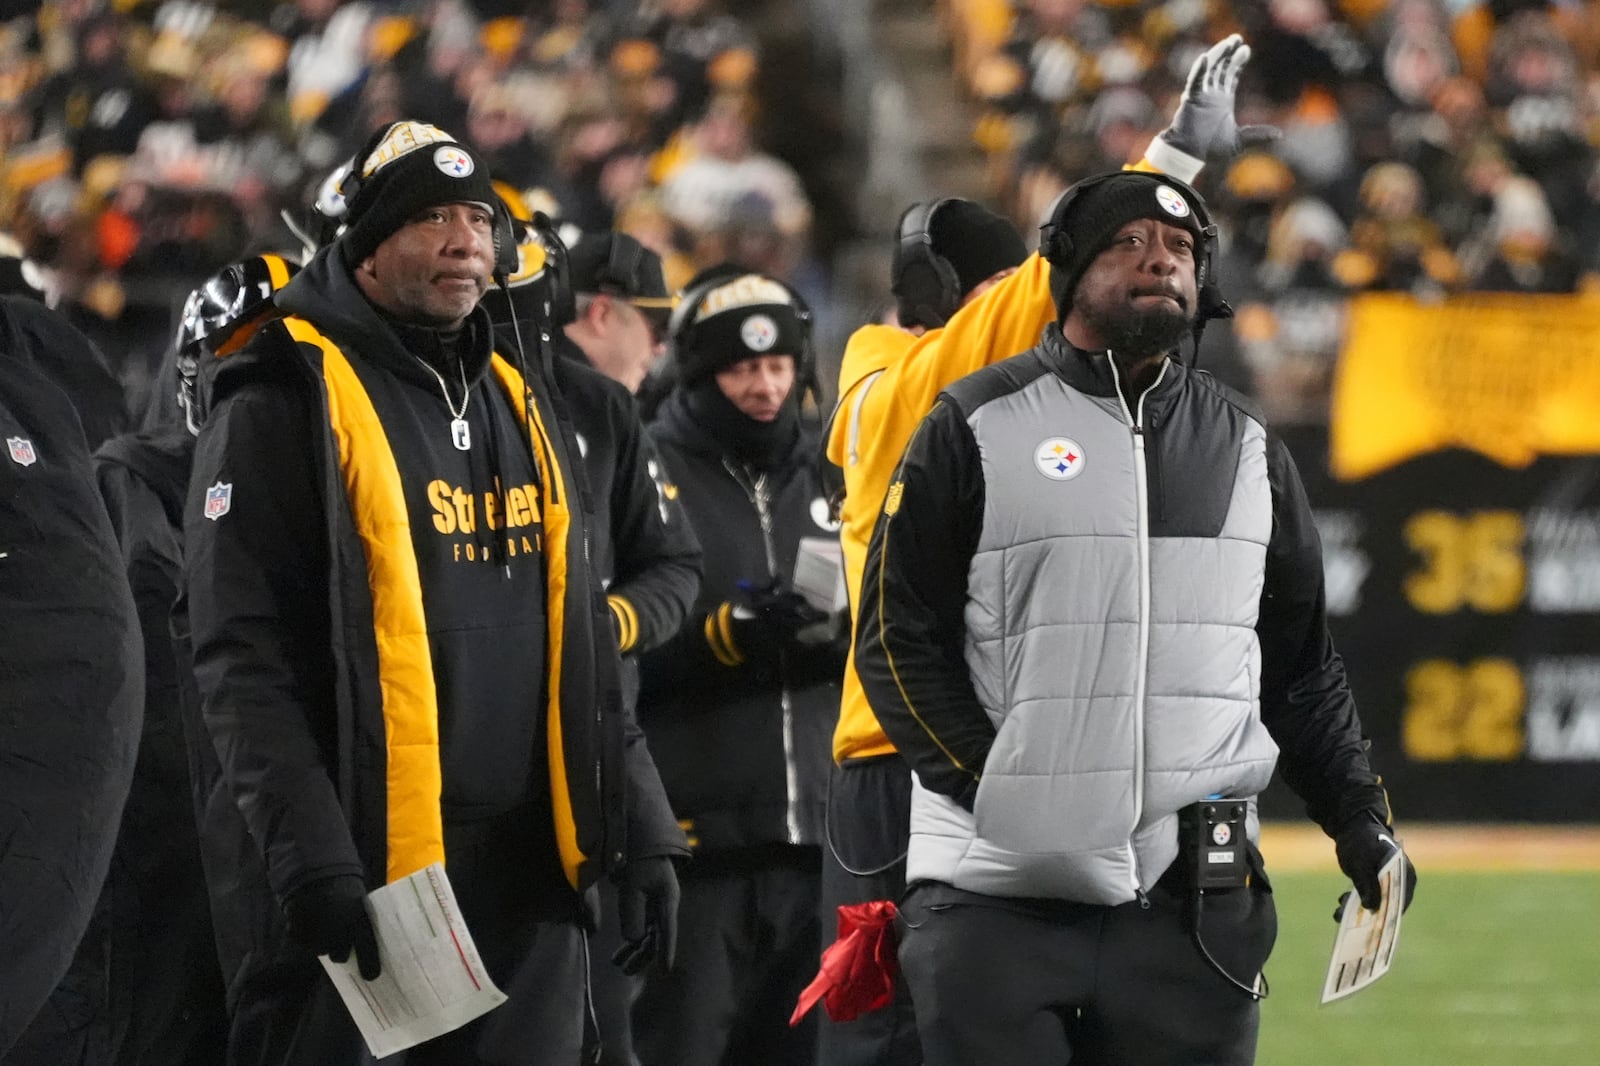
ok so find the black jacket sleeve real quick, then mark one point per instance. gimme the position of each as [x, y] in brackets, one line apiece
[1306, 703]
[657, 556]
[910, 633]
[257, 587]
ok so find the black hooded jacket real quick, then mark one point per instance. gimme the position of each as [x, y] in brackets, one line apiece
[146, 977]
[70, 693]
[743, 749]
[282, 609]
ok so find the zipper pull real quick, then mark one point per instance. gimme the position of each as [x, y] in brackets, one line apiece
[1144, 900]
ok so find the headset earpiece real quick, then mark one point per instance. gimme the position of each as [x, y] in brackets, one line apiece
[558, 270]
[926, 287]
[504, 229]
[622, 261]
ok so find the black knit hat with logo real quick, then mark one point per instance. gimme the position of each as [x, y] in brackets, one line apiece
[404, 168]
[1085, 220]
[728, 314]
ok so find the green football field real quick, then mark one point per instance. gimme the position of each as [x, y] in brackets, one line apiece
[1493, 968]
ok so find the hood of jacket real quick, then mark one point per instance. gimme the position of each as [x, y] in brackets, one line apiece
[161, 458]
[676, 423]
[870, 350]
[325, 292]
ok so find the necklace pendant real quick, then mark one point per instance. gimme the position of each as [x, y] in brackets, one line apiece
[461, 435]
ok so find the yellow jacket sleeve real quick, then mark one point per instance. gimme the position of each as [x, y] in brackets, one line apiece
[871, 430]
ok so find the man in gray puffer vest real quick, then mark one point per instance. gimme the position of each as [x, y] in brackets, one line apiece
[1092, 610]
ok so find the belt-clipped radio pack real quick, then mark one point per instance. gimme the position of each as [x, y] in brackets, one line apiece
[1212, 834]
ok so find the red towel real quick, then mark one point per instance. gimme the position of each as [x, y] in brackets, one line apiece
[858, 969]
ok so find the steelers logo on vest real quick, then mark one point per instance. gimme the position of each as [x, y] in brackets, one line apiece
[1172, 201]
[1059, 458]
[455, 163]
[759, 333]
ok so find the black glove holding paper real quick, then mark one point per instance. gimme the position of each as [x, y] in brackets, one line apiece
[329, 917]
[1363, 846]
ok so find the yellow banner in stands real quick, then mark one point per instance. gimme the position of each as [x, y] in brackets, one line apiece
[1513, 377]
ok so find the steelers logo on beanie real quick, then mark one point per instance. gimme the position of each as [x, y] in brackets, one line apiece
[404, 168]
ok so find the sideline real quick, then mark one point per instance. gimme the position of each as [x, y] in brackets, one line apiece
[1468, 847]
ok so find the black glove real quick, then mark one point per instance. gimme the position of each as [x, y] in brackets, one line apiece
[764, 618]
[329, 917]
[1363, 846]
[647, 911]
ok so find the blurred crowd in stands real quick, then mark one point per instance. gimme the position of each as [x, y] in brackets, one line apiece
[146, 144]
[1429, 147]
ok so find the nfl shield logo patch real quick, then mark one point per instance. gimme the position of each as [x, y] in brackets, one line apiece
[22, 452]
[219, 498]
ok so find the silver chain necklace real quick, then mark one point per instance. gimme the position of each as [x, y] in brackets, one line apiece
[460, 432]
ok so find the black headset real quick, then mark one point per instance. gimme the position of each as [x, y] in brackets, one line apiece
[926, 287]
[1056, 245]
[557, 272]
[622, 263]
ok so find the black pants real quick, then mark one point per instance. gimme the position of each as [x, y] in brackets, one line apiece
[1001, 982]
[748, 944]
[526, 923]
[869, 813]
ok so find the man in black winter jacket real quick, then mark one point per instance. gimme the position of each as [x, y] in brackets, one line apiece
[146, 979]
[402, 653]
[645, 551]
[70, 699]
[740, 706]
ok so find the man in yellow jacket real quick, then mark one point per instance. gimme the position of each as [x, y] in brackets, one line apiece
[888, 381]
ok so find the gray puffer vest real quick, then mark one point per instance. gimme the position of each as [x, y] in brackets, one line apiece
[1110, 632]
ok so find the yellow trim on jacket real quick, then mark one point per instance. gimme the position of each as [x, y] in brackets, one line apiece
[400, 629]
[557, 519]
[1004, 321]
[413, 778]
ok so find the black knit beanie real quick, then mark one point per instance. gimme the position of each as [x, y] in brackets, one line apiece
[402, 169]
[1082, 223]
[730, 315]
[973, 241]
[977, 242]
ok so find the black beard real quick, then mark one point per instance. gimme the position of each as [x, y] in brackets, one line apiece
[1138, 334]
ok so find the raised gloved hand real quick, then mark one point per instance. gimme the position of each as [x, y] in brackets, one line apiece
[1362, 847]
[329, 917]
[1204, 124]
[647, 912]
